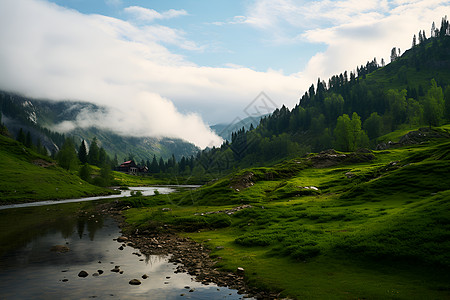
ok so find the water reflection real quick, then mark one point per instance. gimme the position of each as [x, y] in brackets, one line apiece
[30, 270]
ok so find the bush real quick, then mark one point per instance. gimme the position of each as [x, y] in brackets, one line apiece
[218, 220]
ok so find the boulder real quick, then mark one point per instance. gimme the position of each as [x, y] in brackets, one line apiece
[83, 274]
[135, 282]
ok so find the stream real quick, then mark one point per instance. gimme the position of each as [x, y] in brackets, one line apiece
[30, 268]
[146, 191]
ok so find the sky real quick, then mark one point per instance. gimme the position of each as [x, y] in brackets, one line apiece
[172, 68]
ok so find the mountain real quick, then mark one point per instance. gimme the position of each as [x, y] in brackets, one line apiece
[39, 117]
[225, 130]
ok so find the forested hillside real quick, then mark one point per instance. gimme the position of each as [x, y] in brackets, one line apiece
[351, 110]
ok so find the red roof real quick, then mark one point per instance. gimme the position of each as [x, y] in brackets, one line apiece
[124, 164]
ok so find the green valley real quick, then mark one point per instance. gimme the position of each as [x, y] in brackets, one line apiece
[344, 196]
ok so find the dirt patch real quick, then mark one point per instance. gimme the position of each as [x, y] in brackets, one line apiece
[330, 158]
[243, 181]
[42, 163]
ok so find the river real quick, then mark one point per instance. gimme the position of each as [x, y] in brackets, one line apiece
[146, 191]
[30, 269]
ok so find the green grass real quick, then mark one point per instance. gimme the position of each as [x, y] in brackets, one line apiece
[124, 179]
[26, 176]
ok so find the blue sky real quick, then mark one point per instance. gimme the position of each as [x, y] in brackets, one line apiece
[211, 25]
[171, 68]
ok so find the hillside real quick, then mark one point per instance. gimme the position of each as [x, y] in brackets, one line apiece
[40, 117]
[26, 176]
[347, 225]
[350, 111]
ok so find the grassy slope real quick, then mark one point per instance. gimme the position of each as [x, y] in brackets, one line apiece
[383, 233]
[27, 176]
[403, 72]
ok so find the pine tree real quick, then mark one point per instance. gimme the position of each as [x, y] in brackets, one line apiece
[94, 152]
[394, 54]
[162, 166]
[82, 153]
[28, 140]
[103, 158]
[85, 173]
[21, 136]
[154, 166]
[67, 156]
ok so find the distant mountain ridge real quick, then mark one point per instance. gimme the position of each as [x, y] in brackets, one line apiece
[39, 117]
[224, 130]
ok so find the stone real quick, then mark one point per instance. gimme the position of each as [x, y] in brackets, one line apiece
[83, 274]
[145, 276]
[240, 271]
[134, 282]
[122, 239]
[100, 272]
[116, 269]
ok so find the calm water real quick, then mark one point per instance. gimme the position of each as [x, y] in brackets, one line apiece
[30, 270]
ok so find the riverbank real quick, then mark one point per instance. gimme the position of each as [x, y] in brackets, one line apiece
[190, 256]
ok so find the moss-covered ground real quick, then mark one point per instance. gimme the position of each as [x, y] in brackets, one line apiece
[374, 229]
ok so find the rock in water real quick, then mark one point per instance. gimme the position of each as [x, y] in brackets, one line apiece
[116, 269]
[122, 239]
[134, 282]
[83, 274]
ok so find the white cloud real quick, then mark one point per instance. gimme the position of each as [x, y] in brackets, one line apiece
[354, 31]
[149, 15]
[354, 42]
[59, 54]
